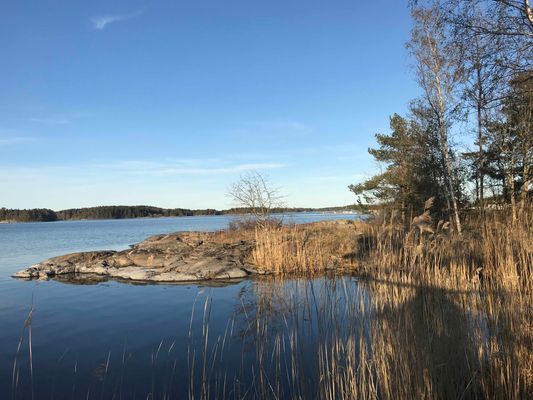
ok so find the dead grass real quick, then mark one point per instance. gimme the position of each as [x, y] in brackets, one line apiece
[306, 249]
[443, 315]
[493, 252]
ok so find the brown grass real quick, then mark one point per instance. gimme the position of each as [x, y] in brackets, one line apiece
[441, 315]
[306, 249]
[492, 252]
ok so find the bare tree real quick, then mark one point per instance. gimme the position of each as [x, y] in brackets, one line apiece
[510, 144]
[497, 39]
[439, 74]
[484, 85]
[255, 194]
[513, 18]
[511, 21]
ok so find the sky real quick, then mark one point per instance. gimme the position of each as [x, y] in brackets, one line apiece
[166, 103]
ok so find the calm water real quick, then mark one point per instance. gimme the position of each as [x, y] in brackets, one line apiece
[257, 338]
[103, 339]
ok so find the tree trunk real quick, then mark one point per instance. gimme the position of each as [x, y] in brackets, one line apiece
[510, 182]
[449, 182]
[481, 164]
[441, 117]
[525, 184]
[528, 12]
[510, 178]
[527, 151]
[445, 151]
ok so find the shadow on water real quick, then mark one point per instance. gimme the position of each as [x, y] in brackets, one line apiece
[374, 339]
[432, 335]
[326, 338]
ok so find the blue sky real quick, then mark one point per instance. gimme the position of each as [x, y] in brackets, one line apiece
[168, 102]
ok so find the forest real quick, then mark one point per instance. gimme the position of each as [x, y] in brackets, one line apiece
[33, 215]
[102, 212]
[467, 140]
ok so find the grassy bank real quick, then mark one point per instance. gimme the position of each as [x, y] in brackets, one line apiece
[494, 252]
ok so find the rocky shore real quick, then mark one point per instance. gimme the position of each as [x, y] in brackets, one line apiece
[177, 257]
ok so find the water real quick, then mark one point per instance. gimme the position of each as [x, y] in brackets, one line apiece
[75, 328]
[327, 337]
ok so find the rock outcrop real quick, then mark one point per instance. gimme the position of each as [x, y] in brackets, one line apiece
[177, 257]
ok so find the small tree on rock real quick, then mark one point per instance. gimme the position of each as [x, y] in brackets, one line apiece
[256, 196]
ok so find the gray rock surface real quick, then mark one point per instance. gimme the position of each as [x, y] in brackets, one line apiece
[177, 257]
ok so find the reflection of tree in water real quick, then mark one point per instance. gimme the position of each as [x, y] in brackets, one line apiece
[313, 338]
[287, 325]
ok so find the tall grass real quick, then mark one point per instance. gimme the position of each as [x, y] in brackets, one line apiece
[493, 251]
[305, 249]
[449, 315]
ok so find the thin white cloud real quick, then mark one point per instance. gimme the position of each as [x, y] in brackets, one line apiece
[137, 169]
[218, 171]
[102, 21]
[186, 167]
[6, 141]
[60, 119]
[52, 121]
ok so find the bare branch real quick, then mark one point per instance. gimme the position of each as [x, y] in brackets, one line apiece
[257, 196]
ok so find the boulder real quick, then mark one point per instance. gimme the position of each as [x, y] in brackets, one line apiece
[178, 257]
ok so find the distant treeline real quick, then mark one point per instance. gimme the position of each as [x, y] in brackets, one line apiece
[123, 212]
[35, 215]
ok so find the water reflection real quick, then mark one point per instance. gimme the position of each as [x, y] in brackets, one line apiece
[93, 279]
[333, 337]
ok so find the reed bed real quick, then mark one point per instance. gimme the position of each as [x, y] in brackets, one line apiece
[305, 249]
[441, 316]
[494, 251]
[343, 338]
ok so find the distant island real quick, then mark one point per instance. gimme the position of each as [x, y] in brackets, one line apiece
[123, 212]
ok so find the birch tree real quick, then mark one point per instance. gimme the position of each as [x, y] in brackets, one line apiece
[439, 74]
[485, 82]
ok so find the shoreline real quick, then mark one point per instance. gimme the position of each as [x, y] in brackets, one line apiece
[236, 215]
[197, 256]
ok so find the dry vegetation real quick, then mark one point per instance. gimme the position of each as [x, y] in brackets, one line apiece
[306, 249]
[347, 339]
[494, 251]
[391, 312]
[434, 315]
